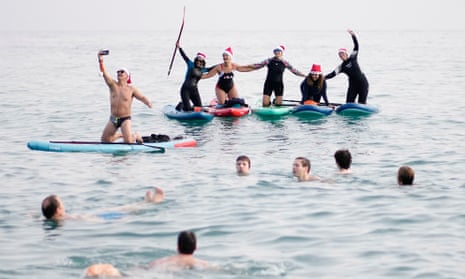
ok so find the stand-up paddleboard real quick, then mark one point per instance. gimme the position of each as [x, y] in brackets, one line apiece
[171, 112]
[271, 111]
[355, 109]
[228, 111]
[117, 147]
[311, 111]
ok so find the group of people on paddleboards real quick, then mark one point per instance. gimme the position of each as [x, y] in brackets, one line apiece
[313, 87]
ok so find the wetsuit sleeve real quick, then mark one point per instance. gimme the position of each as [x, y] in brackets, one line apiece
[261, 64]
[184, 56]
[332, 74]
[355, 51]
[206, 70]
[354, 39]
[323, 93]
[292, 69]
[304, 91]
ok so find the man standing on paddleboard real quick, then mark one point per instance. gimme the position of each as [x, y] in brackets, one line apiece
[122, 93]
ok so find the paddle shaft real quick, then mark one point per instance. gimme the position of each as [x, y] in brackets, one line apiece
[320, 104]
[177, 41]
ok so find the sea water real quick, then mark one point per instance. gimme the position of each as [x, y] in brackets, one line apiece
[265, 225]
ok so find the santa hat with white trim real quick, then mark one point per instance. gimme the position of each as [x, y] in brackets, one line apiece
[201, 55]
[279, 48]
[127, 72]
[228, 51]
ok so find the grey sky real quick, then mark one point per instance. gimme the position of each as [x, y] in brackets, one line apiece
[231, 15]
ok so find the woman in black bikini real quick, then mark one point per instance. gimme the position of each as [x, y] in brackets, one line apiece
[225, 88]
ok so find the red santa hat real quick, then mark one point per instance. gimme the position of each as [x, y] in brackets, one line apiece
[279, 48]
[201, 55]
[228, 51]
[316, 69]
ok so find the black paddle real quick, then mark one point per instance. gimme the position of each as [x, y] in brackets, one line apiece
[177, 42]
[320, 104]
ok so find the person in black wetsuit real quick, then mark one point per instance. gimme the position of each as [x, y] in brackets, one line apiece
[274, 78]
[358, 83]
[189, 89]
[313, 87]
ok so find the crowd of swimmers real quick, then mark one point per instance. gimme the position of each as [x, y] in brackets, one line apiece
[301, 168]
[53, 209]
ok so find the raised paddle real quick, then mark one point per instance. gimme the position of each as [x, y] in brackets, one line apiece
[177, 41]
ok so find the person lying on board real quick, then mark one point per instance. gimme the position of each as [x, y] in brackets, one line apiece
[301, 169]
[405, 175]
[313, 87]
[189, 89]
[53, 208]
[243, 165]
[187, 244]
[122, 93]
[343, 160]
[274, 77]
[358, 83]
[225, 88]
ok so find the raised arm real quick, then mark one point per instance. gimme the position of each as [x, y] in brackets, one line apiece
[108, 80]
[212, 72]
[244, 68]
[183, 54]
[354, 39]
[260, 65]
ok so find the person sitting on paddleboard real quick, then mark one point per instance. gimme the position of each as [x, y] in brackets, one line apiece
[225, 88]
[274, 78]
[122, 93]
[189, 89]
[313, 87]
[358, 83]
[53, 208]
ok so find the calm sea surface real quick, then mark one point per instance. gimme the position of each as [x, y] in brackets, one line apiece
[265, 225]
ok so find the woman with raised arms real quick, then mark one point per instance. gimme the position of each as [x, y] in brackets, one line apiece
[225, 88]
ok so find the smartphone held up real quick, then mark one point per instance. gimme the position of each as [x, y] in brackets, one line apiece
[104, 52]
